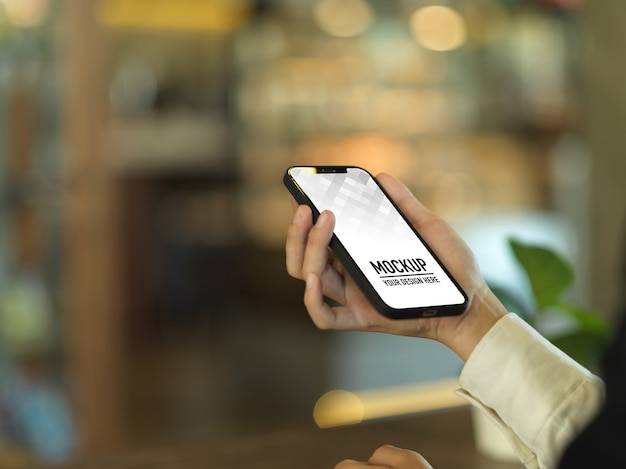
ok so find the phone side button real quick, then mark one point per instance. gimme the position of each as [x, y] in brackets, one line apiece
[429, 312]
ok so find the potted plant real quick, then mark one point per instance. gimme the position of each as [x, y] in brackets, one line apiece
[580, 332]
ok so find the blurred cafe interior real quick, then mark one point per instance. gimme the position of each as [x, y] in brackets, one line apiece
[143, 295]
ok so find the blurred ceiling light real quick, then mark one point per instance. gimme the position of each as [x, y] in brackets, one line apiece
[199, 15]
[25, 13]
[343, 18]
[438, 28]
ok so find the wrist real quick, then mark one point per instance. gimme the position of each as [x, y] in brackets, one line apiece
[484, 311]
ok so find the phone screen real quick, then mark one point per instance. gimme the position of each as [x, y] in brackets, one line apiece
[387, 250]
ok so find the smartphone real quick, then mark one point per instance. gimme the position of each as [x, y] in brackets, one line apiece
[397, 271]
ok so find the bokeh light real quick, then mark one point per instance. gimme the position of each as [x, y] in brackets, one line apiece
[343, 18]
[25, 13]
[438, 28]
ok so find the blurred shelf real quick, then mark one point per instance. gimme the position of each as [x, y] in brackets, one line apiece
[172, 143]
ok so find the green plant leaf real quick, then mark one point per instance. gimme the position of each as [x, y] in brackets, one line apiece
[511, 302]
[580, 346]
[589, 322]
[590, 337]
[548, 273]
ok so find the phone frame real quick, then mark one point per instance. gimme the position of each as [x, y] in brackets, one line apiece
[355, 271]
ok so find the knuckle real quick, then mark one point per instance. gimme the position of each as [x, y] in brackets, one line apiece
[294, 272]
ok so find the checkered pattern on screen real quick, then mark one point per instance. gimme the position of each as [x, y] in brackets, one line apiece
[360, 207]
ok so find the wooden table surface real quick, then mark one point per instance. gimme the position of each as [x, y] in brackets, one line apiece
[445, 438]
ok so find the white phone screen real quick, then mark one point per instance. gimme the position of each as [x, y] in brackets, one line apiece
[382, 244]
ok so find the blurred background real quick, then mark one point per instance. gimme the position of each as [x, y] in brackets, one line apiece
[143, 294]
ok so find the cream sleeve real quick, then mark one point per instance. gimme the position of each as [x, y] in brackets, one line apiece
[539, 397]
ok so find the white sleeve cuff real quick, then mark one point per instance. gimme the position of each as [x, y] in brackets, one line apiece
[531, 388]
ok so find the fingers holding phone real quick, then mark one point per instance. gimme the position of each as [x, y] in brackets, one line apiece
[307, 249]
[387, 258]
[308, 258]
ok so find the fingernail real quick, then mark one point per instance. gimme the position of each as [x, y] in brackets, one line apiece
[299, 213]
[323, 219]
[309, 281]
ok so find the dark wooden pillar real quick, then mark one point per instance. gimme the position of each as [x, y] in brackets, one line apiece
[92, 274]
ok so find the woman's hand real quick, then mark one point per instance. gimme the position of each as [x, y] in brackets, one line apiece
[307, 258]
[388, 457]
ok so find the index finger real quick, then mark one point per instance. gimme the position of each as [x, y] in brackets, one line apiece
[295, 245]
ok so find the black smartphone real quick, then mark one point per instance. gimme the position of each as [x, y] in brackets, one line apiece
[398, 272]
